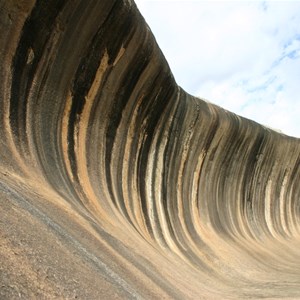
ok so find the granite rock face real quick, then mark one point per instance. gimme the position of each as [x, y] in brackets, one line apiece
[115, 183]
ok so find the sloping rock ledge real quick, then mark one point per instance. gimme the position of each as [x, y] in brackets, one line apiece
[115, 183]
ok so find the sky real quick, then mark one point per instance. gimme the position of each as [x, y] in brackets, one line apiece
[241, 55]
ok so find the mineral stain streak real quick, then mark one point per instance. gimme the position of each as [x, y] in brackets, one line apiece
[115, 183]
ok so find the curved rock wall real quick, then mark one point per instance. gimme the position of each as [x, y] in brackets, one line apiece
[115, 183]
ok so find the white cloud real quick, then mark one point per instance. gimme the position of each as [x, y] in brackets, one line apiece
[241, 55]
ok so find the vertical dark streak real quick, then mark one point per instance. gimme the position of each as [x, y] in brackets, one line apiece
[36, 31]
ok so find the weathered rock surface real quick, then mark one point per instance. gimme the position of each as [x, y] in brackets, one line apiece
[115, 183]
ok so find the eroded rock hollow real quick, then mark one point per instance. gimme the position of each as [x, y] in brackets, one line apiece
[115, 183]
